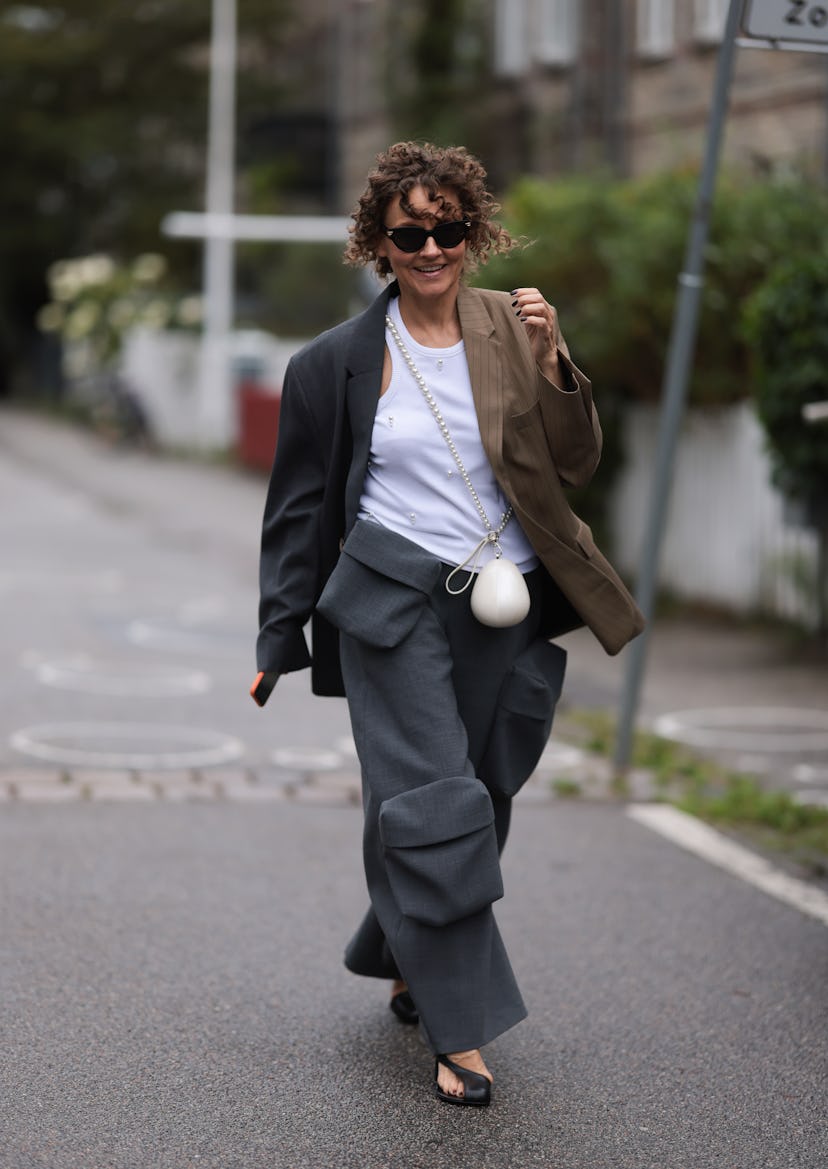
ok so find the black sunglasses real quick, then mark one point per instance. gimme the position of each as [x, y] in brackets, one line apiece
[445, 235]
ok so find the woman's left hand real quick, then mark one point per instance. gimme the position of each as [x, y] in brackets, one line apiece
[542, 329]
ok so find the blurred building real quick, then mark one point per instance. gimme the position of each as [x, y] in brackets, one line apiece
[627, 84]
[540, 86]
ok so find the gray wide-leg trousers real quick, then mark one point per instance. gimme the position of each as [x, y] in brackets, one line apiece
[449, 717]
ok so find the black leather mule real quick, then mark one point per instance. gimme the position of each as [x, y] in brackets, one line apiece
[402, 1004]
[477, 1088]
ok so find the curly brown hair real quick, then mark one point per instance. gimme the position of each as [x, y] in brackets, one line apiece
[406, 165]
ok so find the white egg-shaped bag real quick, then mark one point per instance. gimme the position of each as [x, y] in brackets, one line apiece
[500, 596]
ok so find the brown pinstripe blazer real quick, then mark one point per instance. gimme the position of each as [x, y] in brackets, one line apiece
[537, 437]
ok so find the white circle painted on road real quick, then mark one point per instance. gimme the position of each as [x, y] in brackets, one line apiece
[755, 729]
[134, 746]
[87, 676]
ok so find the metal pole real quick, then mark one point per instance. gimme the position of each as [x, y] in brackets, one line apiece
[825, 142]
[214, 413]
[674, 391]
[615, 97]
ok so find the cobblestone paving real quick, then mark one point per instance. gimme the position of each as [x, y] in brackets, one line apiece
[565, 772]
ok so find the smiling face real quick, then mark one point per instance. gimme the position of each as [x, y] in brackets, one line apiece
[432, 272]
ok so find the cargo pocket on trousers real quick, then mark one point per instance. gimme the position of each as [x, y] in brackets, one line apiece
[441, 850]
[523, 720]
[368, 605]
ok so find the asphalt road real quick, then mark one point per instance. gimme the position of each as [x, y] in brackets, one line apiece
[170, 969]
[173, 996]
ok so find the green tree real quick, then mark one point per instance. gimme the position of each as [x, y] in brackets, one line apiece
[438, 71]
[608, 253]
[786, 323]
[103, 132]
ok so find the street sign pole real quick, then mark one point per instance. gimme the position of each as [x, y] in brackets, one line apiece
[800, 25]
[674, 391]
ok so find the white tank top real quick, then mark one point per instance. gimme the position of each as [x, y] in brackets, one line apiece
[413, 485]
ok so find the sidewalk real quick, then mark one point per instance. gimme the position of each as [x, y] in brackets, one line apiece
[752, 696]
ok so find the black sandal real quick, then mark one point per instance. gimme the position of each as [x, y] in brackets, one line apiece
[477, 1088]
[402, 1004]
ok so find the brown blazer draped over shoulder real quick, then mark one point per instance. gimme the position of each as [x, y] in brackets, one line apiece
[538, 439]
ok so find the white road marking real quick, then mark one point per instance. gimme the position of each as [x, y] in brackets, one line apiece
[561, 756]
[159, 634]
[306, 759]
[752, 729]
[112, 745]
[88, 676]
[696, 837]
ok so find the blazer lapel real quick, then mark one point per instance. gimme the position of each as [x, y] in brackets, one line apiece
[364, 375]
[363, 378]
[483, 354]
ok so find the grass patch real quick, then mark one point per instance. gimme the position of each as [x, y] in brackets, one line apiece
[566, 789]
[772, 820]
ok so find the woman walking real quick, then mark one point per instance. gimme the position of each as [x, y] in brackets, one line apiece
[416, 511]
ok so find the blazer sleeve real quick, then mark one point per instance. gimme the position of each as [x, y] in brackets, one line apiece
[289, 563]
[570, 421]
[567, 414]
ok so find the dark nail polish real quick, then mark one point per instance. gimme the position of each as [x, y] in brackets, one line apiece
[514, 302]
[517, 312]
[523, 319]
[513, 292]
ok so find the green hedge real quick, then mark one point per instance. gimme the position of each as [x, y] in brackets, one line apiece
[786, 325]
[608, 254]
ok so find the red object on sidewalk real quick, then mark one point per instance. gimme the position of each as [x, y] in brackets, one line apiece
[258, 425]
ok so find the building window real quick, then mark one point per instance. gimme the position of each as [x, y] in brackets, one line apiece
[556, 31]
[655, 28]
[709, 20]
[511, 37]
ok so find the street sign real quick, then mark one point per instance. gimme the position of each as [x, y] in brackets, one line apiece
[786, 20]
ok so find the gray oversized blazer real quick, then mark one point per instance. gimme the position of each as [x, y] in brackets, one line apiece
[538, 439]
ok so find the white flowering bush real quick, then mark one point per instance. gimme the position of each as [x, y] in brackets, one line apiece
[95, 301]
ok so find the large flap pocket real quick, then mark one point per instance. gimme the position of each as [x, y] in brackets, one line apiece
[392, 555]
[439, 811]
[441, 850]
[535, 680]
[523, 720]
[368, 605]
[379, 586]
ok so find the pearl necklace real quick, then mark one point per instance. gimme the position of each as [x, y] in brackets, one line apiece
[492, 535]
